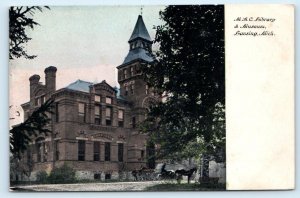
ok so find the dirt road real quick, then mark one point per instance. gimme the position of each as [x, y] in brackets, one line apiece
[114, 186]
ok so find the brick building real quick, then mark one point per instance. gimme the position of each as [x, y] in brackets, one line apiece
[95, 126]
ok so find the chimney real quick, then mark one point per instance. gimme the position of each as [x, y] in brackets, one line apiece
[34, 81]
[50, 75]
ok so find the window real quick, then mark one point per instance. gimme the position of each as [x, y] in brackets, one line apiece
[133, 122]
[147, 89]
[125, 73]
[40, 147]
[142, 154]
[56, 113]
[29, 155]
[97, 98]
[108, 115]
[37, 101]
[96, 151]
[126, 90]
[97, 114]
[108, 100]
[107, 151]
[107, 176]
[43, 99]
[81, 150]
[120, 152]
[132, 89]
[81, 112]
[121, 117]
[150, 155]
[56, 149]
[97, 176]
[131, 71]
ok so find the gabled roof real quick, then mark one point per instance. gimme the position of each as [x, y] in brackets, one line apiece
[138, 53]
[84, 86]
[140, 30]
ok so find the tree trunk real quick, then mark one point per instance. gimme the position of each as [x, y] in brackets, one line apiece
[205, 166]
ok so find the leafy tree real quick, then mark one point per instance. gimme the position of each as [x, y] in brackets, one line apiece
[21, 135]
[20, 18]
[189, 71]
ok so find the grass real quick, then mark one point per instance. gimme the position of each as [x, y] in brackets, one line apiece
[186, 187]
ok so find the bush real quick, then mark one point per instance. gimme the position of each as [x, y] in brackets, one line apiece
[62, 175]
[41, 177]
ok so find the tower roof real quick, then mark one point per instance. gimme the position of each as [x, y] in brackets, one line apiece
[140, 30]
[138, 53]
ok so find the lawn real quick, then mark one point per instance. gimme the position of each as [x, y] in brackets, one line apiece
[186, 187]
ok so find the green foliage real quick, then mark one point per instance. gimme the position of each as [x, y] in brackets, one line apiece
[21, 135]
[41, 177]
[62, 175]
[20, 18]
[189, 71]
[185, 187]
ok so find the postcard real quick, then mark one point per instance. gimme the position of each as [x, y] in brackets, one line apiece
[152, 98]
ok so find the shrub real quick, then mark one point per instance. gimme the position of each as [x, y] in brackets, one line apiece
[62, 175]
[41, 177]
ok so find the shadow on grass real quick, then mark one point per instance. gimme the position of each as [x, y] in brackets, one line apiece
[186, 187]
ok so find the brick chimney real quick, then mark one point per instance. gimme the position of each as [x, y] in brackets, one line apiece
[34, 82]
[50, 82]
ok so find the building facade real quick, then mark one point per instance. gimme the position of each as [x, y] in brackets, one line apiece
[95, 126]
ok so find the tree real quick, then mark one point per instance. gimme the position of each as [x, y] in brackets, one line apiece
[62, 175]
[21, 135]
[20, 18]
[189, 72]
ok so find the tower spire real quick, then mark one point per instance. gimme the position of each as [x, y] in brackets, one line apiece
[140, 43]
[141, 10]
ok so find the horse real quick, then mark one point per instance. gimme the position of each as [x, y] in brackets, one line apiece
[187, 173]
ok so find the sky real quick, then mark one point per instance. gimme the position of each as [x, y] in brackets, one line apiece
[83, 42]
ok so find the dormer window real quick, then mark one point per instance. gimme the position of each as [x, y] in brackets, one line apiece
[108, 115]
[125, 73]
[131, 71]
[97, 98]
